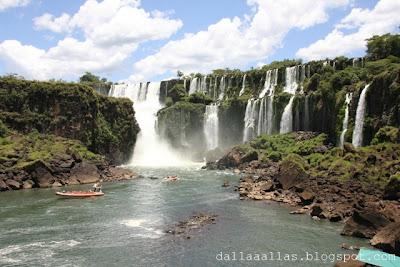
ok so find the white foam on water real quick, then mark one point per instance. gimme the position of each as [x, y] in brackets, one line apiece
[29, 252]
[150, 232]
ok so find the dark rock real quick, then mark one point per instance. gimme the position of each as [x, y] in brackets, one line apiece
[392, 189]
[290, 174]
[85, 173]
[388, 239]
[306, 198]
[316, 210]
[40, 173]
[3, 186]
[13, 184]
[365, 223]
[371, 159]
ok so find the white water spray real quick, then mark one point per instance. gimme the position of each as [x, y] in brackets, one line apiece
[360, 116]
[345, 119]
[243, 85]
[211, 126]
[287, 118]
[150, 150]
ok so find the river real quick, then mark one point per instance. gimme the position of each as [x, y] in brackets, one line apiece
[126, 226]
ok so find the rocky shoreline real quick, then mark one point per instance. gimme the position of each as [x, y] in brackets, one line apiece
[365, 209]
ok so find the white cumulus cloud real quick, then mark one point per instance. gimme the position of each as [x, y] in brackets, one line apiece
[113, 29]
[5, 4]
[362, 24]
[233, 42]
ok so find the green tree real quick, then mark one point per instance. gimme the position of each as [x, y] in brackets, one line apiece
[382, 46]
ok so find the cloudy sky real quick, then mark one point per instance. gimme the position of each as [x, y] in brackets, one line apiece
[152, 39]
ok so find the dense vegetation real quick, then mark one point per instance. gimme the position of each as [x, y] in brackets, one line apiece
[325, 85]
[75, 111]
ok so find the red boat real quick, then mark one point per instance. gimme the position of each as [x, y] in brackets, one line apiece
[80, 194]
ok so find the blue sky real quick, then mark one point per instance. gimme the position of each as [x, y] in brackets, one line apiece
[225, 33]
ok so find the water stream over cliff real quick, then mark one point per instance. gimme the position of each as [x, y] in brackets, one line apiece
[211, 126]
[345, 119]
[360, 116]
[150, 149]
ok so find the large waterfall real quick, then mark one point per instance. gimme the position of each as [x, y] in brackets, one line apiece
[211, 126]
[291, 77]
[243, 85]
[271, 80]
[150, 150]
[222, 88]
[193, 85]
[287, 118]
[346, 119]
[360, 115]
[250, 120]
[291, 85]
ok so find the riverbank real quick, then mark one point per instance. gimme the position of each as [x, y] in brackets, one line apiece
[38, 161]
[356, 187]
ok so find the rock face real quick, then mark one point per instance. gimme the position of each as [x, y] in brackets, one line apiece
[105, 125]
[290, 174]
[365, 223]
[85, 173]
[388, 239]
[392, 190]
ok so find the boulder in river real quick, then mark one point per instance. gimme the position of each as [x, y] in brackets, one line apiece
[388, 239]
[85, 173]
[365, 223]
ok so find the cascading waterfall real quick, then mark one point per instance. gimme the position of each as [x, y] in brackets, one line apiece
[262, 117]
[215, 93]
[184, 84]
[292, 74]
[291, 85]
[360, 116]
[250, 118]
[211, 125]
[346, 119]
[271, 80]
[203, 84]
[287, 118]
[222, 88]
[150, 150]
[243, 85]
[193, 85]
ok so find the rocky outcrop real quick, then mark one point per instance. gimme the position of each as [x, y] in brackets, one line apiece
[388, 238]
[392, 189]
[103, 124]
[195, 222]
[365, 223]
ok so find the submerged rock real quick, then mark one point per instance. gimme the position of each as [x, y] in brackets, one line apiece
[193, 223]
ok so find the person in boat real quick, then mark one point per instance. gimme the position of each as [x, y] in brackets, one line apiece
[97, 186]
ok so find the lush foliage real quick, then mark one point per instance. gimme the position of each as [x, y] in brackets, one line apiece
[379, 47]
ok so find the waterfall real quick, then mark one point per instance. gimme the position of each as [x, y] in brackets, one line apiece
[291, 80]
[203, 84]
[184, 84]
[193, 85]
[360, 115]
[346, 119]
[215, 94]
[306, 114]
[262, 117]
[291, 85]
[271, 80]
[243, 85]
[150, 149]
[211, 126]
[287, 118]
[250, 120]
[270, 114]
[222, 88]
